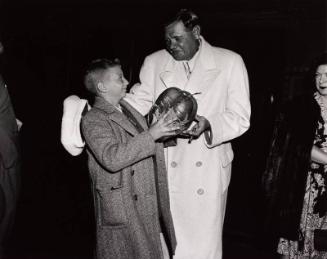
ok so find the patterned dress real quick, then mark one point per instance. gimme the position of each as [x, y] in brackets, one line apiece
[314, 212]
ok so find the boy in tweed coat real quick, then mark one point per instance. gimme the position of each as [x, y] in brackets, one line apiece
[127, 170]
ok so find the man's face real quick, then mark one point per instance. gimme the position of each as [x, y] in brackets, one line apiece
[181, 42]
[321, 79]
[115, 83]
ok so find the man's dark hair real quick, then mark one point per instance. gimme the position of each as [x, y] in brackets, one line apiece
[187, 17]
[95, 71]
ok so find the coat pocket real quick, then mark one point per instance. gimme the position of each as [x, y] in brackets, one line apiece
[227, 157]
[112, 208]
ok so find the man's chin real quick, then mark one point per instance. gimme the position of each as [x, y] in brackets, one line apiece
[323, 91]
[177, 56]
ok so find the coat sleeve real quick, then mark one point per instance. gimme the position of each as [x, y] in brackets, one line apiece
[141, 95]
[235, 119]
[8, 128]
[108, 149]
[8, 149]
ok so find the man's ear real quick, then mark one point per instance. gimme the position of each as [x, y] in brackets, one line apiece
[196, 31]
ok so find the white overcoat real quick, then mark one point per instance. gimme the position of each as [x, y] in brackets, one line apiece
[199, 173]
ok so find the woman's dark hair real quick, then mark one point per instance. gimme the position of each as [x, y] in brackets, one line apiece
[95, 71]
[309, 79]
[320, 60]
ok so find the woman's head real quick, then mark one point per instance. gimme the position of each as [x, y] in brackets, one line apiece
[321, 74]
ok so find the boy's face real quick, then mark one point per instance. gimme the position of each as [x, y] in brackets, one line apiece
[114, 82]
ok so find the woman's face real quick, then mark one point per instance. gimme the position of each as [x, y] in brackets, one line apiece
[321, 79]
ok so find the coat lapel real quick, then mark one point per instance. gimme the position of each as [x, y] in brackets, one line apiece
[115, 115]
[140, 119]
[205, 71]
[167, 76]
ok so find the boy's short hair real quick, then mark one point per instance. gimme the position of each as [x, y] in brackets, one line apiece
[95, 71]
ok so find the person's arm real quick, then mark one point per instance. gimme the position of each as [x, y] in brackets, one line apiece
[235, 119]
[318, 155]
[108, 150]
[8, 148]
[114, 155]
[8, 128]
[141, 95]
[7, 114]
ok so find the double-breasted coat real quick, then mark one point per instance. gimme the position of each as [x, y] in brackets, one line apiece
[129, 183]
[199, 173]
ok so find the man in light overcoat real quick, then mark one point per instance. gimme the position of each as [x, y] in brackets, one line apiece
[199, 171]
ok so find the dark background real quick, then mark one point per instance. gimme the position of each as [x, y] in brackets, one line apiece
[47, 45]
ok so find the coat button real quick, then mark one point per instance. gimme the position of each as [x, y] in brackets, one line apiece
[132, 172]
[200, 191]
[173, 164]
[198, 164]
[135, 197]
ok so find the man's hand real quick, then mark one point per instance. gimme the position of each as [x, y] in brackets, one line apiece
[202, 125]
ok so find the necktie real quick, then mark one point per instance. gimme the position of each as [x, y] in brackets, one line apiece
[187, 69]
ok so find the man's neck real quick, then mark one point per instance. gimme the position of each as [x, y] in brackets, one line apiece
[191, 62]
[196, 52]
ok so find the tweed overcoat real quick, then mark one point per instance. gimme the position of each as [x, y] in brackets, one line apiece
[199, 172]
[129, 193]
